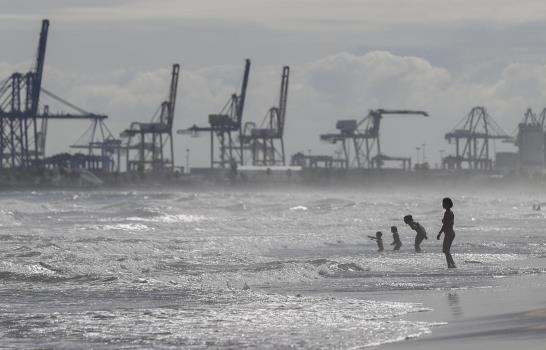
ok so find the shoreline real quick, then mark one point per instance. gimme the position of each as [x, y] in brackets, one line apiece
[201, 178]
[372, 185]
[507, 315]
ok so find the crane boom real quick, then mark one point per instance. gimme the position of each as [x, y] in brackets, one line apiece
[402, 111]
[378, 114]
[39, 69]
[242, 95]
[283, 98]
[172, 94]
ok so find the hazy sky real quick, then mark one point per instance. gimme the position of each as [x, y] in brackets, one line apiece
[347, 56]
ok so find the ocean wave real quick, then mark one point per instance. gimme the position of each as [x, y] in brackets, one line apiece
[10, 218]
[189, 197]
[299, 208]
[402, 272]
[131, 227]
[256, 320]
[171, 218]
[43, 272]
[329, 204]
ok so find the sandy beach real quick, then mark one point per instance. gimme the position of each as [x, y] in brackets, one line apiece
[508, 315]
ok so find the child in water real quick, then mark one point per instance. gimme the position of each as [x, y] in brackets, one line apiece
[396, 238]
[447, 230]
[379, 240]
[419, 229]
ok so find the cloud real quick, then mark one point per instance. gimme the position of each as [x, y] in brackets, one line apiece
[278, 11]
[374, 79]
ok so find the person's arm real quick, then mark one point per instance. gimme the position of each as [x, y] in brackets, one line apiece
[442, 229]
[372, 237]
[440, 233]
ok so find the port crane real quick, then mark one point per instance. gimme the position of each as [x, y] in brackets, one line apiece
[226, 127]
[542, 119]
[153, 142]
[364, 137]
[263, 141]
[23, 123]
[472, 136]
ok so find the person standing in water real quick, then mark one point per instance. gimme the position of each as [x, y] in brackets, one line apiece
[447, 230]
[396, 238]
[379, 240]
[419, 229]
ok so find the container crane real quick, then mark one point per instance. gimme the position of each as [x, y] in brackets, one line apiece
[23, 127]
[223, 125]
[364, 137]
[149, 140]
[472, 137]
[542, 119]
[262, 141]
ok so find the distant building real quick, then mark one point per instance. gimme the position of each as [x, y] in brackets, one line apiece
[530, 143]
[507, 162]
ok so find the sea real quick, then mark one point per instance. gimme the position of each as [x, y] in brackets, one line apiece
[236, 268]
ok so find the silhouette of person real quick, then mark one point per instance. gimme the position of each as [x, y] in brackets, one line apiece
[419, 229]
[447, 230]
[396, 238]
[379, 240]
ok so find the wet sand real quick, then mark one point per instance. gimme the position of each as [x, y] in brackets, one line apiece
[508, 315]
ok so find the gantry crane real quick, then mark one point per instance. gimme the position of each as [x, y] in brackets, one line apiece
[364, 138]
[223, 125]
[149, 140]
[23, 127]
[99, 139]
[542, 119]
[474, 134]
[262, 141]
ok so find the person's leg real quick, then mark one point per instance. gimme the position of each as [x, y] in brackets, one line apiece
[451, 262]
[447, 260]
[446, 248]
[418, 240]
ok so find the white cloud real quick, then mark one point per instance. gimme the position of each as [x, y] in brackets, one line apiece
[375, 79]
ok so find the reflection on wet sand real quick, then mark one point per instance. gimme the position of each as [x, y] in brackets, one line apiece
[454, 304]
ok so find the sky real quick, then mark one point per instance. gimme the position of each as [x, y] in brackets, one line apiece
[346, 57]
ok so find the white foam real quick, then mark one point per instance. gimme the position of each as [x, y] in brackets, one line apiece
[299, 208]
[255, 321]
[170, 219]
